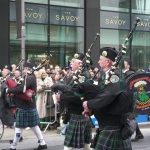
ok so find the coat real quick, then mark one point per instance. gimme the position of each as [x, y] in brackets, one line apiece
[6, 113]
[44, 98]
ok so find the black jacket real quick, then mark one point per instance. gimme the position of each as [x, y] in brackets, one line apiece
[72, 102]
[103, 99]
[128, 73]
[6, 105]
[30, 84]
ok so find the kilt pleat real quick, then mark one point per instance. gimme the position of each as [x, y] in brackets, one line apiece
[78, 132]
[27, 118]
[111, 140]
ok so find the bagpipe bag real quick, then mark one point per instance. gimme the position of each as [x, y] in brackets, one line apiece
[28, 95]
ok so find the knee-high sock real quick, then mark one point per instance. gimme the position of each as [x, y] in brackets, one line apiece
[87, 147]
[68, 148]
[38, 134]
[18, 133]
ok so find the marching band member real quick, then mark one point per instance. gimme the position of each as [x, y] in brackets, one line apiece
[79, 130]
[110, 125]
[6, 104]
[26, 115]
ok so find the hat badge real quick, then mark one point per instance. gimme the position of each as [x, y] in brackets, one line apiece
[76, 56]
[104, 53]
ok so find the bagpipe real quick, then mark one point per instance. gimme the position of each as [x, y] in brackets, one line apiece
[27, 94]
[78, 75]
[85, 63]
[123, 100]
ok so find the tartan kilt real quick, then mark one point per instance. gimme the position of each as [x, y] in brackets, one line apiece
[78, 132]
[27, 118]
[112, 140]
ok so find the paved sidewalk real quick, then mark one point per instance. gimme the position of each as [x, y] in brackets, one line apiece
[144, 125]
[52, 138]
[9, 133]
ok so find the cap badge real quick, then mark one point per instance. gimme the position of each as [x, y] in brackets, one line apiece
[81, 79]
[104, 53]
[76, 56]
[114, 79]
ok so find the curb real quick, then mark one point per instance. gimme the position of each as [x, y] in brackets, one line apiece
[144, 125]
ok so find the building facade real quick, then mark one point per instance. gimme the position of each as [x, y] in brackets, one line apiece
[63, 27]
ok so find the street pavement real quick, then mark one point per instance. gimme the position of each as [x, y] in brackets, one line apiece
[55, 141]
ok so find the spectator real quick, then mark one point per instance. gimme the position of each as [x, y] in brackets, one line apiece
[57, 68]
[13, 67]
[48, 71]
[43, 98]
[52, 75]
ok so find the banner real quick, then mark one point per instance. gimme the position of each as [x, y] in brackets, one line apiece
[139, 83]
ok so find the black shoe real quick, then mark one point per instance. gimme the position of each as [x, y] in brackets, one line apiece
[137, 137]
[8, 149]
[21, 139]
[41, 147]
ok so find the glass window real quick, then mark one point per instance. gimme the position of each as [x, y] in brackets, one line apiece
[35, 1]
[115, 5]
[66, 16]
[141, 6]
[71, 3]
[114, 38]
[140, 50]
[64, 41]
[36, 45]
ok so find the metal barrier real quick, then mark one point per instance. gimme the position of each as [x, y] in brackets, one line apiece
[55, 112]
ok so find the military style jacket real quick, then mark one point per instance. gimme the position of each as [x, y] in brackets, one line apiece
[71, 101]
[101, 104]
